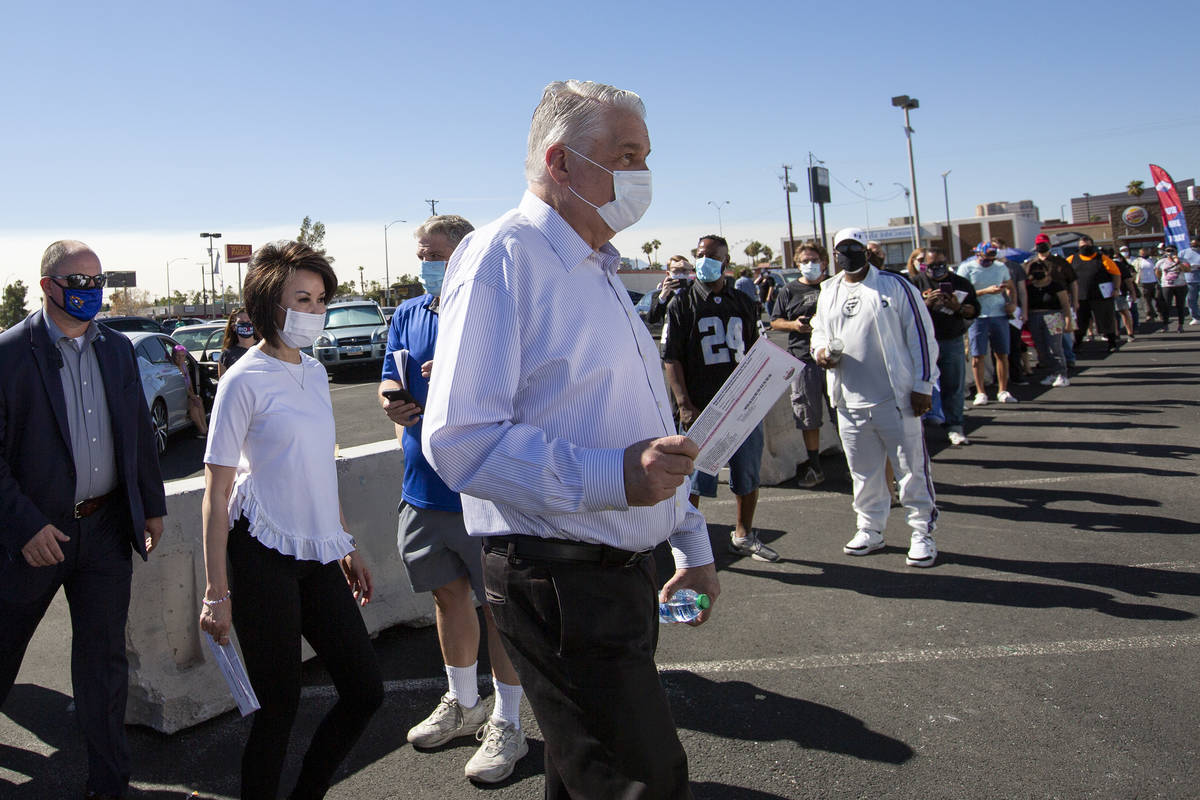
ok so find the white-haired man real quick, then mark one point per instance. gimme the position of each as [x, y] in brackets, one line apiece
[875, 337]
[548, 411]
[438, 554]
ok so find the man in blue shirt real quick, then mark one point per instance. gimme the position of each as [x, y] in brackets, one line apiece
[438, 554]
[1192, 278]
[997, 299]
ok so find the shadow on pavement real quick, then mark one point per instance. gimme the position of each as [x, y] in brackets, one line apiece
[1040, 504]
[708, 790]
[1060, 467]
[1115, 425]
[932, 585]
[1140, 581]
[741, 710]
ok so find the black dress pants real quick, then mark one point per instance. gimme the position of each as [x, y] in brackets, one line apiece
[276, 599]
[582, 637]
[96, 575]
[1105, 314]
[1174, 297]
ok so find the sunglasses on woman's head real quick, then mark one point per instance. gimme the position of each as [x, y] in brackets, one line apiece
[81, 281]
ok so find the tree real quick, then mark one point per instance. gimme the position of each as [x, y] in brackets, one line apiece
[767, 253]
[648, 248]
[12, 308]
[655, 243]
[313, 234]
[345, 289]
[752, 250]
[129, 302]
[1135, 188]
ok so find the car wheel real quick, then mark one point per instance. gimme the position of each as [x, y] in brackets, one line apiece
[158, 419]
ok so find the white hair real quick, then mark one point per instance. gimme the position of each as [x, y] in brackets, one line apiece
[452, 226]
[572, 113]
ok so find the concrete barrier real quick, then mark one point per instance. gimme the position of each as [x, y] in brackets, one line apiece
[173, 681]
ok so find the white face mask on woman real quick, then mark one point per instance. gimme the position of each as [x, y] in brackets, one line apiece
[631, 196]
[300, 328]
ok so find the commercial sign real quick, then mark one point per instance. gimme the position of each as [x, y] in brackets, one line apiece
[1174, 223]
[238, 253]
[121, 280]
[1135, 216]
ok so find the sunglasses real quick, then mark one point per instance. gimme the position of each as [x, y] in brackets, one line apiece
[81, 281]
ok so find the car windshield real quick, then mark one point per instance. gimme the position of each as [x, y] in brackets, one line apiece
[192, 338]
[643, 304]
[353, 316]
[132, 325]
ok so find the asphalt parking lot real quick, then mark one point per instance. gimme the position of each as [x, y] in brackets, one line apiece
[1051, 653]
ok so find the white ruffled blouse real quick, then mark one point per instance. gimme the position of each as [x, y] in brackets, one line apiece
[273, 421]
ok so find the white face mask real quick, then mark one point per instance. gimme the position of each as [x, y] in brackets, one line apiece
[811, 270]
[631, 196]
[300, 328]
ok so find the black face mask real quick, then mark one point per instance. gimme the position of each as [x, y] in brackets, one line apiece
[939, 270]
[853, 261]
[1043, 248]
[1088, 250]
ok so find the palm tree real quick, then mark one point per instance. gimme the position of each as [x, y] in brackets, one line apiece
[1135, 189]
[655, 243]
[648, 248]
[752, 250]
[767, 253]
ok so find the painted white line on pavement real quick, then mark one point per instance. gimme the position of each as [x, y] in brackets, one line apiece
[15, 778]
[935, 654]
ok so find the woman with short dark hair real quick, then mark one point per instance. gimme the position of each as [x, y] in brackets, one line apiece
[279, 561]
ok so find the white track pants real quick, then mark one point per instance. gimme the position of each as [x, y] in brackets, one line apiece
[871, 435]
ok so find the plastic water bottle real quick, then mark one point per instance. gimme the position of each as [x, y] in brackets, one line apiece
[835, 349]
[684, 606]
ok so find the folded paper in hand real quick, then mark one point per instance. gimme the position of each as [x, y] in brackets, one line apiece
[401, 359]
[235, 675]
[764, 373]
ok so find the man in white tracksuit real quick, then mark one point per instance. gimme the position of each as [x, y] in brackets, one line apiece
[881, 384]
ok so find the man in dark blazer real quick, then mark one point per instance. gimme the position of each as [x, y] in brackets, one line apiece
[80, 488]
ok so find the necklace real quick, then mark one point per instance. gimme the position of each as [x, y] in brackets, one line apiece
[287, 367]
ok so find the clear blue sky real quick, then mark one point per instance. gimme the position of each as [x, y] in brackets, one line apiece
[155, 118]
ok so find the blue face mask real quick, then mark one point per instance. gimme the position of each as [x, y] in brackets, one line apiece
[82, 304]
[432, 273]
[708, 270]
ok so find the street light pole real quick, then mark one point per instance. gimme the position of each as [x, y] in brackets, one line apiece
[866, 202]
[907, 201]
[211, 274]
[387, 280]
[717, 206]
[169, 263]
[948, 239]
[909, 103]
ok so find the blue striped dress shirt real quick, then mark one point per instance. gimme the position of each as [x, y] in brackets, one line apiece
[542, 376]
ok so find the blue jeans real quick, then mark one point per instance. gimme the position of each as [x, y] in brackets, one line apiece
[743, 468]
[952, 363]
[1068, 348]
[1193, 300]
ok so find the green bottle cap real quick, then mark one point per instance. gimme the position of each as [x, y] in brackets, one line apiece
[702, 601]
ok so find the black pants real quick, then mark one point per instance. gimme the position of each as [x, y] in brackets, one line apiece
[276, 599]
[1016, 349]
[1153, 302]
[1173, 296]
[96, 575]
[583, 637]
[1104, 312]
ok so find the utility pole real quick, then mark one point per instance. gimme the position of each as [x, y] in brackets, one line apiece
[432, 207]
[788, 188]
[908, 104]
[211, 273]
[948, 239]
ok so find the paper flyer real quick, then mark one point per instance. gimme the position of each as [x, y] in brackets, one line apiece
[230, 662]
[401, 359]
[765, 372]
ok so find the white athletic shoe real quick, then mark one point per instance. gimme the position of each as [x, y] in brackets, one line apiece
[1061, 380]
[503, 746]
[864, 542]
[980, 399]
[1049, 379]
[448, 721]
[1005, 397]
[922, 552]
[958, 439]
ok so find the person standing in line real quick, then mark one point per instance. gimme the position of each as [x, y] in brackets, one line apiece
[880, 383]
[1016, 346]
[941, 290]
[915, 263]
[709, 329]
[745, 285]
[239, 337]
[1063, 274]
[548, 411]
[766, 289]
[1099, 280]
[1148, 280]
[793, 313]
[1191, 256]
[1049, 320]
[1171, 271]
[80, 490]
[994, 290]
[438, 554]
[680, 274]
[279, 561]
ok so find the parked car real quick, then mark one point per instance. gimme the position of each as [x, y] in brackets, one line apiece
[171, 323]
[355, 335]
[634, 297]
[203, 342]
[643, 308]
[162, 384]
[387, 314]
[132, 324]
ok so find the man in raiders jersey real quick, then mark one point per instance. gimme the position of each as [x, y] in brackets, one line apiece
[709, 328]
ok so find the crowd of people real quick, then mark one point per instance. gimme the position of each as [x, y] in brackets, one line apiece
[544, 456]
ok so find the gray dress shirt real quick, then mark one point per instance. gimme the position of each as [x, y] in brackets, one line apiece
[87, 412]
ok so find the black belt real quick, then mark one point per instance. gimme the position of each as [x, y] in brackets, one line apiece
[85, 508]
[537, 548]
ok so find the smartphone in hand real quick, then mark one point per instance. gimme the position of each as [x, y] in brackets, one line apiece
[401, 396]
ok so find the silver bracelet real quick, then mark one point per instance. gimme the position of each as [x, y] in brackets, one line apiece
[218, 601]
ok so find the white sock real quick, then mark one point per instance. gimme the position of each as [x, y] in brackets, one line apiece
[464, 686]
[508, 702]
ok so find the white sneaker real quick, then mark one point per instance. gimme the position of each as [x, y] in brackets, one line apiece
[1061, 380]
[864, 542]
[1049, 379]
[1005, 397]
[503, 746]
[958, 439]
[1194, 322]
[448, 721]
[922, 552]
[980, 399]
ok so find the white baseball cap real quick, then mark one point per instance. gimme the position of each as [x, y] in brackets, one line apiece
[845, 234]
